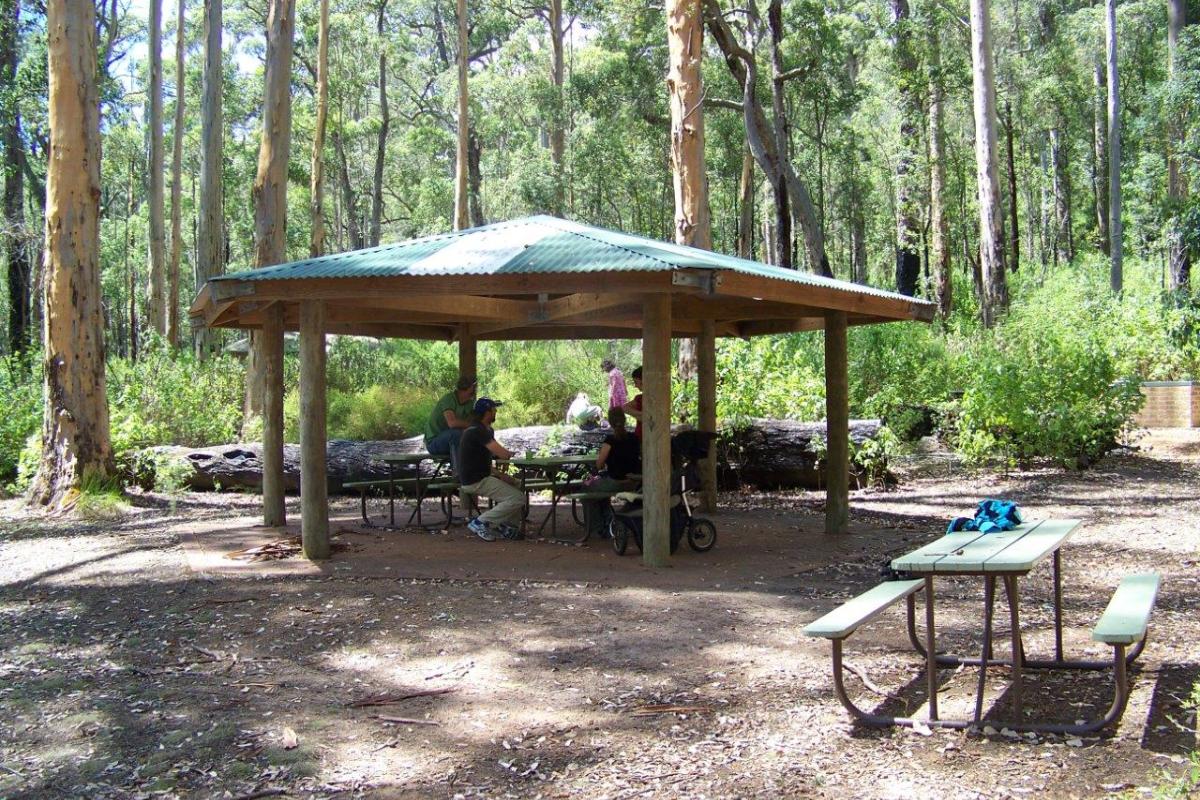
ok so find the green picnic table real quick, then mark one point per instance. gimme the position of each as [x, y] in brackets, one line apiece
[1007, 556]
[415, 483]
[560, 475]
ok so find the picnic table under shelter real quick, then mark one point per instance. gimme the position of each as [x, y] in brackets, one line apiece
[539, 278]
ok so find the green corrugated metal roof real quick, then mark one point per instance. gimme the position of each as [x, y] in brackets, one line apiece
[537, 244]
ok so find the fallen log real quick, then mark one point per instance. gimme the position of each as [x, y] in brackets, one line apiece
[764, 453]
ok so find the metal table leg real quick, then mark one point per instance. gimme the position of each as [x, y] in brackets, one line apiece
[931, 664]
[989, 596]
[1018, 654]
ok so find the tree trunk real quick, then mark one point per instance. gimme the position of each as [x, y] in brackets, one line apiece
[12, 240]
[745, 239]
[385, 121]
[349, 199]
[991, 234]
[270, 184]
[766, 453]
[1014, 233]
[474, 177]
[1100, 152]
[908, 212]
[177, 179]
[779, 128]
[1114, 147]
[75, 432]
[461, 166]
[155, 301]
[558, 120]
[316, 241]
[685, 97]
[1064, 236]
[943, 287]
[1179, 268]
[130, 270]
[759, 135]
[210, 233]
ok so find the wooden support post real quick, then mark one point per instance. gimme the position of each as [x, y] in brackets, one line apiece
[837, 421]
[467, 357]
[706, 390]
[270, 342]
[314, 501]
[656, 430]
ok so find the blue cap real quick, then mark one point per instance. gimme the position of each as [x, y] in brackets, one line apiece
[486, 404]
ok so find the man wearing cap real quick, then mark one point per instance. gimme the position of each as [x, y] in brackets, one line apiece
[449, 418]
[477, 476]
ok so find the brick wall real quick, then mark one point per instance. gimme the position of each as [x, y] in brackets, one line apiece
[1170, 404]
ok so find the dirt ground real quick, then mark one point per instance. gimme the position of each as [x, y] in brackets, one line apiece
[137, 661]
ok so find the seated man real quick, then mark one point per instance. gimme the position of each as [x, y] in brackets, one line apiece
[620, 457]
[477, 476]
[449, 418]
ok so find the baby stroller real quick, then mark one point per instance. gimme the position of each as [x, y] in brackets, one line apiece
[687, 449]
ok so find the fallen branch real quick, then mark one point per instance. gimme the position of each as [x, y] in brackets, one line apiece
[388, 699]
[405, 720]
[460, 668]
[645, 711]
[862, 676]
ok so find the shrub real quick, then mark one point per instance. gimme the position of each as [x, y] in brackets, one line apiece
[170, 397]
[1050, 389]
[21, 388]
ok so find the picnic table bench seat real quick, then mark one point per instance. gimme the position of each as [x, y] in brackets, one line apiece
[1127, 616]
[846, 618]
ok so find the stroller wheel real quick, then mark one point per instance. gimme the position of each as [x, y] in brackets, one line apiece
[621, 534]
[701, 534]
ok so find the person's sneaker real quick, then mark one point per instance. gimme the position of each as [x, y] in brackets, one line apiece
[481, 529]
[510, 532]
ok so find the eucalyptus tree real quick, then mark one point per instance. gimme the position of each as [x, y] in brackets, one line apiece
[210, 236]
[12, 233]
[157, 266]
[1116, 278]
[75, 430]
[1179, 266]
[172, 298]
[991, 234]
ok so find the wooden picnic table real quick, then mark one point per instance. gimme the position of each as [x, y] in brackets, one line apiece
[1006, 555]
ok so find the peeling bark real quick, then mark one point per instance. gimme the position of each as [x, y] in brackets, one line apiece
[75, 430]
[210, 229]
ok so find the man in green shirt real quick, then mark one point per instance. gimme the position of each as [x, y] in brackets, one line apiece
[449, 418]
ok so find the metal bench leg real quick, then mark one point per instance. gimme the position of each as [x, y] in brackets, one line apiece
[876, 720]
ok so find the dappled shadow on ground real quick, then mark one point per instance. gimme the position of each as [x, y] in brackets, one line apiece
[124, 672]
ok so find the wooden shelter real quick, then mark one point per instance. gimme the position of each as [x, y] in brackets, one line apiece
[539, 278]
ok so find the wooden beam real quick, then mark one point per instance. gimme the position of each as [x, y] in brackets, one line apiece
[270, 344]
[837, 422]
[525, 283]
[656, 431]
[706, 411]
[768, 327]
[467, 356]
[454, 308]
[314, 489]
[392, 330]
[824, 297]
[736, 308]
[575, 307]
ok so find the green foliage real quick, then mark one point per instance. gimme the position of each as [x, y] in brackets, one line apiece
[899, 373]
[170, 397]
[21, 388]
[774, 376]
[1048, 382]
